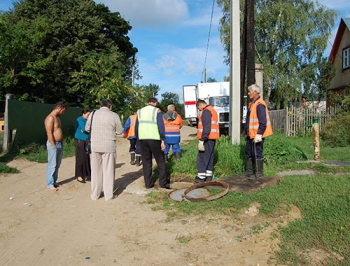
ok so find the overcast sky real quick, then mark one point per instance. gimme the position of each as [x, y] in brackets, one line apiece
[172, 38]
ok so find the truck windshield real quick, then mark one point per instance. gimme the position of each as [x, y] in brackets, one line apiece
[220, 101]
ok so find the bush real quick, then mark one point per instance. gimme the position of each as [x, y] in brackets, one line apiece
[279, 150]
[335, 132]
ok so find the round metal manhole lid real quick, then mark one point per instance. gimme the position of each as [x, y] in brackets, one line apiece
[178, 195]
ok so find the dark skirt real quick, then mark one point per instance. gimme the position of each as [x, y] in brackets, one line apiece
[82, 160]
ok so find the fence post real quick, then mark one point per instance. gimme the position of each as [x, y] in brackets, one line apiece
[316, 129]
[7, 132]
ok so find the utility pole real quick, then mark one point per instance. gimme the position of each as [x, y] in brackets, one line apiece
[235, 88]
[250, 43]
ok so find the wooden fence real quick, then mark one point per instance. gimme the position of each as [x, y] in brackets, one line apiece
[299, 120]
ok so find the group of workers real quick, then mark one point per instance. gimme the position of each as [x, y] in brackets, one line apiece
[151, 135]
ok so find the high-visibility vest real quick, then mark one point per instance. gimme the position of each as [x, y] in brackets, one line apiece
[148, 127]
[214, 130]
[131, 130]
[254, 121]
[173, 126]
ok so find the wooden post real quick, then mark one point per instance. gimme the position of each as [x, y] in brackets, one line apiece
[316, 129]
[7, 132]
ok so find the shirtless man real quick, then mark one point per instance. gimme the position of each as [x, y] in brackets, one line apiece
[54, 144]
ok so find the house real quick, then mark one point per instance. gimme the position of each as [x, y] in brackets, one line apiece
[340, 57]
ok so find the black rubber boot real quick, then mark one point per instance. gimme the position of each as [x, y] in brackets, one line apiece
[199, 180]
[138, 160]
[209, 178]
[177, 156]
[260, 170]
[132, 160]
[248, 169]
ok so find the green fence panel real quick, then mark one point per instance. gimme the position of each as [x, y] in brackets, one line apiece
[27, 118]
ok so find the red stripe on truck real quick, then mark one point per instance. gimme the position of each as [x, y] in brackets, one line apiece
[190, 102]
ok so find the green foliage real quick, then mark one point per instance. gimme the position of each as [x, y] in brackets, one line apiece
[76, 51]
[335, 132]
[229, 159]
[279, 150]
[6, 169]
[36, 152]
[290, 38]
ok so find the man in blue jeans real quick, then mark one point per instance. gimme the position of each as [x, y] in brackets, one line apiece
[54, 144]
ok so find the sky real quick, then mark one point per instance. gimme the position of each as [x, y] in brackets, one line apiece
[178, 39]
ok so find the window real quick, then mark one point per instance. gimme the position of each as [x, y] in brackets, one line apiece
[346, 58]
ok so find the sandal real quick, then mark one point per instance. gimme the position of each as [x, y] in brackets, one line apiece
[81, 181]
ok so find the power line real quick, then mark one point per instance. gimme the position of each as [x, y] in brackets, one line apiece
[211, 20]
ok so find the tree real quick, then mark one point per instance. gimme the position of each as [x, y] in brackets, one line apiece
[290, 39]
[70, 50]
[211, 80]
[171, 98]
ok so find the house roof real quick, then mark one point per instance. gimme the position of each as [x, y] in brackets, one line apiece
[344, 23]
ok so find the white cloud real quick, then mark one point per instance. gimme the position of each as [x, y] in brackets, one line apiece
[149, 13]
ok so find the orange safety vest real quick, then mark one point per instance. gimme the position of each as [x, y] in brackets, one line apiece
[254, 121]
[173, 126]
[131, 130]
[214, 130]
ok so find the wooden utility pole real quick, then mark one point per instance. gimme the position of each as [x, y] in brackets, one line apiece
[250, 43]
[235, 91]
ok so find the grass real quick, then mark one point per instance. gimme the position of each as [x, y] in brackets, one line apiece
[32, 152]
[323, 199]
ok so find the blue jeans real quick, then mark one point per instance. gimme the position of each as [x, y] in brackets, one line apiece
[54, 158]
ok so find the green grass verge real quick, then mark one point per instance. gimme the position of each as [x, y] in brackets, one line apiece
[323, 199]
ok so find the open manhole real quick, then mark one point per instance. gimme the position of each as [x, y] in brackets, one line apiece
[178, 195]
[205, 191]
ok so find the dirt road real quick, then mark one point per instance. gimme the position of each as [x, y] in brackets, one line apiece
[41, 227]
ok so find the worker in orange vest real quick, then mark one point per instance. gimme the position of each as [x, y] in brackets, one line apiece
[208, 132]
[129, 133]
[257, 128]
[173, 124]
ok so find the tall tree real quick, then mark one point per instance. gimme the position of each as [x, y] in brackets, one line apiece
[80, 52]
[170, 98]
[290, 39]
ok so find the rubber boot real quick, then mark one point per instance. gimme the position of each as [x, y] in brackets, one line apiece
[177, 156]
[260, 170]
[132, 160]
[248, 169]
[209, 178]
[138, 160]
[199, 180]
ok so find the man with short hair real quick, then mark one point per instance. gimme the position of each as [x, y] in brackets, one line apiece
[257, 128]
[151, 133]
[105, 126]
[208, 132]
[173, 124]
[54, 144]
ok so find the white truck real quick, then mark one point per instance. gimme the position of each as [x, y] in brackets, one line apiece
[216, 94]
[190, 99]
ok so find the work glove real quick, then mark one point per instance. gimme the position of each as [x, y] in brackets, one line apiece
[201, 146]
[258, 138]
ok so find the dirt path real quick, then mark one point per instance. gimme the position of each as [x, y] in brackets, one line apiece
[41, 227]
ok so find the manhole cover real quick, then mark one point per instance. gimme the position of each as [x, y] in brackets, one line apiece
[177, 195]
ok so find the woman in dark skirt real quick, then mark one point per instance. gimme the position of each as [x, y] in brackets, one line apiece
[82, 160]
